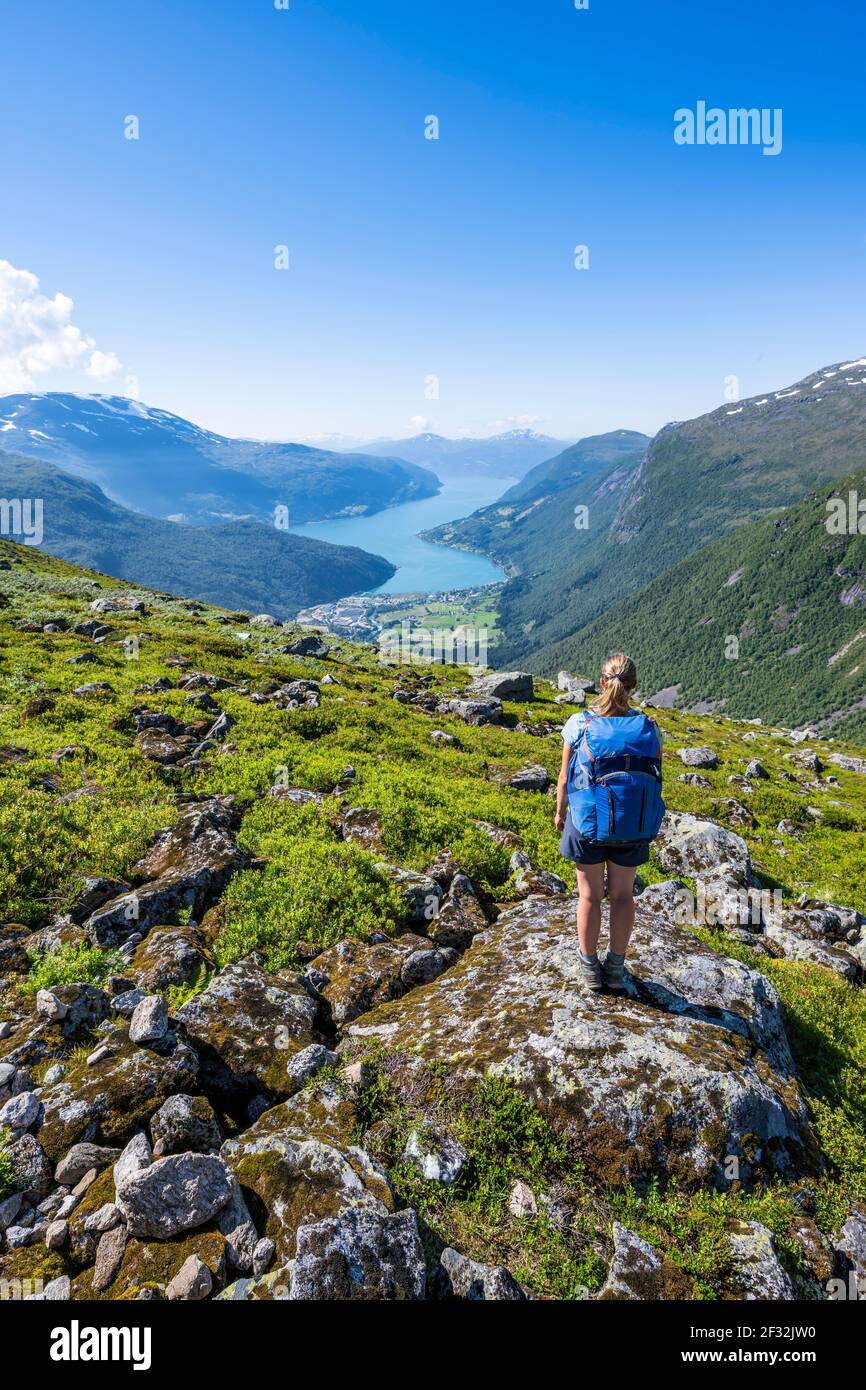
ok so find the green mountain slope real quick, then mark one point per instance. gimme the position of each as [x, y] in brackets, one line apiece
[242, 564]
[791, 593]
[696, 481]
[276, 823]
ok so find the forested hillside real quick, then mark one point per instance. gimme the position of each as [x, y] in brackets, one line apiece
[771, 619]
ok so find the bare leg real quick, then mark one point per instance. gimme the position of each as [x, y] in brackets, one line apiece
[620, 892]
[590, 884]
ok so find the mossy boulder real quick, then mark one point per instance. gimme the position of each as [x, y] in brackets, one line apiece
[109, 1101]
[687, 1072]
[290, 1181]
[151, 1265]
[170, 956]
[361, 974]
[246, 1026]
[186, 868]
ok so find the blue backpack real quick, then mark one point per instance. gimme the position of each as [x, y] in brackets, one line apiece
[615, 780]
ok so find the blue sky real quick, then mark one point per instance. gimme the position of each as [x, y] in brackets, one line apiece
[412, 258]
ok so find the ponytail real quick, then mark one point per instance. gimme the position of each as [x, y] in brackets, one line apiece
[620, 679]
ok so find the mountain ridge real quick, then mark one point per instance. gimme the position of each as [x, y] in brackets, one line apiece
[153, 461]
[241, 564]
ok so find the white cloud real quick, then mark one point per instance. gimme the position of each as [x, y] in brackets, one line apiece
[103, 365]
[36, 335]
[419, 423]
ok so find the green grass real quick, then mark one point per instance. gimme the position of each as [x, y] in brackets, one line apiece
[506, 1139]
[319, 891]
[7, 1171]
[73, 963]
[98, 811]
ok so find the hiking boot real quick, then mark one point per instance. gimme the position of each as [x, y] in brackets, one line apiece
[612, 973]
[590, 973]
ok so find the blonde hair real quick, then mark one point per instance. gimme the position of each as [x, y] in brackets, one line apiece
[620, 679]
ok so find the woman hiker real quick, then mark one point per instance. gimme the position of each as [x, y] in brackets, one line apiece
[608, 808]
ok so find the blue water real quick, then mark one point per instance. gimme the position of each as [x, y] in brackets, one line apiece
[393, 533]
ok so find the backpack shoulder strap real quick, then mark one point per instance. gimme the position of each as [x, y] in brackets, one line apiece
[658, 733]
[587, 714]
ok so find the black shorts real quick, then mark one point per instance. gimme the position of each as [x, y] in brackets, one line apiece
[628, 856]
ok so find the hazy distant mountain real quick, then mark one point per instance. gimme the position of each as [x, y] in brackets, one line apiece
[158, 463]
[238, 564]
[508, 455]
[582, 460]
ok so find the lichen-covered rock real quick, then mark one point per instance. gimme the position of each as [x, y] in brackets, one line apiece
[109, 1254]
[185, 1124]
[847, 763]
[461, 1277]
[758, 1268]
[149, 1021]
[698, 847]
[246, 1026]
[460, 916]
[794, 946]
[30, 1166]
[637, 1271]
[529, 879]
[309, 646]
[486, 711]
[437, 1157]
[137, 1154]
[238, 1230]
[503, 685]
[421, 893]
[698, 757]
[186, 867]
[531, 778]
[76, 1009]
[364, 828]
[112, 1099]
[690, 1068]
[80, 1159]
[300, 1180]
[850, 1243]
[360, 1254]
[307, 1063]
[362, 974]
[192, 1282]
[159, 746]
[174, 1194]
[14, 958]
[20, 1112]
[170, 956]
